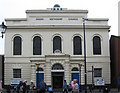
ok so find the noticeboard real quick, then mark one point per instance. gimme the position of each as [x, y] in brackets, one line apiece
[14, 81]
[99, 81]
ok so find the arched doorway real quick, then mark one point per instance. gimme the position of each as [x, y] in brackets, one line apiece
[39, 75]
[57, 73]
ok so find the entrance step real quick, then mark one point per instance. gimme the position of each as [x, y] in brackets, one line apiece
[57, 90]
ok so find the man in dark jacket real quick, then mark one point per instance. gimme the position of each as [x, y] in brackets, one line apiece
[42, 86]
[24, 86]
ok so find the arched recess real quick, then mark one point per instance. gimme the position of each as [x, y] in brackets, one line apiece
[57, 75]
[17, 45]
[96, 45]
[57, 40]
[75, 74]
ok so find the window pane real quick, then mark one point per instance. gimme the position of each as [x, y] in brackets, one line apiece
[57, 67]
[97, 72]
[96, 45]
[17, 45]
[77, 46]
[16, 73]
[37, 45]
[57, 44]
[75, 69]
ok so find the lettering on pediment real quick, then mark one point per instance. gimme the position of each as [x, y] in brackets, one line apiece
[39, 18]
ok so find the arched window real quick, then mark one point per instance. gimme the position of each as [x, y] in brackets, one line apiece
[17, 46]
[57, 66]
[75, 69]
[77, 45]
[57, 43]
[37, 45]
[39, 69]
[96, 45]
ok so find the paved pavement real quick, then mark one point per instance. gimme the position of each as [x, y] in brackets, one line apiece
[95, 91]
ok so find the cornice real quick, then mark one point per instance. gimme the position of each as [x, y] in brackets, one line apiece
[55, 11]
[16, 19]
[58, 27]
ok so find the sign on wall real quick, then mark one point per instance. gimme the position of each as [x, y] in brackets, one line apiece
[14, 81]
[99, 81]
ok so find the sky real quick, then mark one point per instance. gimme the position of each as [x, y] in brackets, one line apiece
[96, 9]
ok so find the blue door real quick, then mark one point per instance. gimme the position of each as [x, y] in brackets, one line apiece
[39, 77]
[75, 76]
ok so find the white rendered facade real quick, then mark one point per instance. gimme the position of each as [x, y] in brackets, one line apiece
[50, 23]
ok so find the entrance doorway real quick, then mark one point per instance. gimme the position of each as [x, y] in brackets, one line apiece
[57, 76]
[57, 80]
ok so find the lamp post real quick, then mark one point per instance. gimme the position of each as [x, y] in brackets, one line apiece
[84, 19]
[3, 29]
[80, 65]
[37, 64]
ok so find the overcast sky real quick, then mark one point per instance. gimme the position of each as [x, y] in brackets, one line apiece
[96, 9]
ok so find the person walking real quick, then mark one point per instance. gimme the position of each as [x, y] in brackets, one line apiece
[70, 87]
[42, 86]
[65, 87]
[76, 87]
[19, 87]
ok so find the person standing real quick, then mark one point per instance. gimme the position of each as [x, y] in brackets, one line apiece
[24, 86]
[42, 86]
[32, 86]
[65, 87]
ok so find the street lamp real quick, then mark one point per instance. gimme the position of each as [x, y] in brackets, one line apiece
[80, 65]
[37, 64]
[3, 29]
[84, 19]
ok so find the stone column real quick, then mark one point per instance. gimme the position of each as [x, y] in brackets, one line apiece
[48, 72]
[67, 71]
[33, 73]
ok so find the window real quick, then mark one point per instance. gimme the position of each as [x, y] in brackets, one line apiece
[37, 45]
[39, 69]
[97, 72]
[77, 46]
[57, 66]
[17, 45]
[57, 43]
[16, 73]
[75, 69]
[96, 45]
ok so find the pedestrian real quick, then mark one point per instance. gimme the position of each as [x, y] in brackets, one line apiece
[70, 87]
[76, 87]
[65, 87]
[42, 86]
[73, 83]
[24, 86]
[32, 86]
[19, 87]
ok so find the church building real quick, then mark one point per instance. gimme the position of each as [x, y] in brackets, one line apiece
[49, 45]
